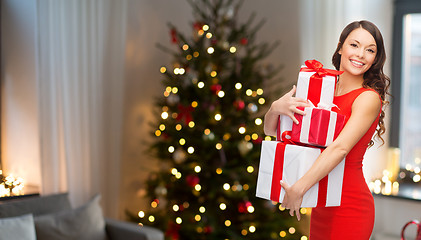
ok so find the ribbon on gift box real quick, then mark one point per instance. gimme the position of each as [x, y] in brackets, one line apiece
[285, 134]
[317, 67]
[316, 80]
[284, 128]
[322, 105]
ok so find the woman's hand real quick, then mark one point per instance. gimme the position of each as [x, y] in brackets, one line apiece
[292, 200]
[288, 104]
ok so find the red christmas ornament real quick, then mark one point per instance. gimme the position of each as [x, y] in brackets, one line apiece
[197, 26]
[244, 41]
[165, 136]
[242, 207]
[181, 208]
[174, 38]
[215, 88]
[173, 231]
[258, 140]
[192, 180]
[184, 112]
[239, 105]
[207, 230]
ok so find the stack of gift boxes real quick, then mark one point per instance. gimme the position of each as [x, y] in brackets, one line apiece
[298, 145]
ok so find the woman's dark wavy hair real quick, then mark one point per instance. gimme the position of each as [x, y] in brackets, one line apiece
[374, 78]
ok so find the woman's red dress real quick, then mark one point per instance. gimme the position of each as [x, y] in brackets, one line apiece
[354, 218]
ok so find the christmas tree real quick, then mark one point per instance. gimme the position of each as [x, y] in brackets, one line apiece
[209, 133]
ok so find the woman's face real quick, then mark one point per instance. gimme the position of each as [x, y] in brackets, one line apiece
[358, 52]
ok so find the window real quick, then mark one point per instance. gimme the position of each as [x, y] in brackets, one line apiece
[406, 84]
[410, 127]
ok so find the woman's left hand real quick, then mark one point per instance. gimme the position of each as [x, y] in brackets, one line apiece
[292, 200]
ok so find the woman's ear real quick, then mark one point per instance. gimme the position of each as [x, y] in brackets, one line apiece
[340, 49]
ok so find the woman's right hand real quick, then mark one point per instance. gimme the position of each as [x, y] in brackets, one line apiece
[286, 105]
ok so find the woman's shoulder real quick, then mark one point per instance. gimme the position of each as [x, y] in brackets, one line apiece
[364, 89]
[359, 92]
[369, 98]
[369, 93]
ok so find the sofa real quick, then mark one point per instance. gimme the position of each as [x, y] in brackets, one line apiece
[51, 217]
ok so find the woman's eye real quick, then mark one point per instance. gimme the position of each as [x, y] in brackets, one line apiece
[371, 50]
[353, 45]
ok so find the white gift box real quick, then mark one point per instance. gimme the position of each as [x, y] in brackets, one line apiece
[288, 162]
[318, 91]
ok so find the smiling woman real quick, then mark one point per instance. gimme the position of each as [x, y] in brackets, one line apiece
[357, 56]
[361, 55]
[362, 88]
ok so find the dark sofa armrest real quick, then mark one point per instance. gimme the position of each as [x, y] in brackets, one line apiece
[121, 230]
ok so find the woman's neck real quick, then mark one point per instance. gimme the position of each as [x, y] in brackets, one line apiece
[347, 82]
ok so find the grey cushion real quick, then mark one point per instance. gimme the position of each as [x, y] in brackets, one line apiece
[35, 205]
[85, 222]
[21, 227]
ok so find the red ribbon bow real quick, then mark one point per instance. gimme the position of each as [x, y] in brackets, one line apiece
[316, 66]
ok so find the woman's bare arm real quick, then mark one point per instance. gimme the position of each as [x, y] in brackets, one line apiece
[365, 110]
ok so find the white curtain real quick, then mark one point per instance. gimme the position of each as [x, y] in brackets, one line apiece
[80, 76]
[322, 22]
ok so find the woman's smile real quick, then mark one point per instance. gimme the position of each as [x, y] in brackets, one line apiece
[357, 63]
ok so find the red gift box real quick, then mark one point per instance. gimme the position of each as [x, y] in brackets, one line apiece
[289, 162]
[318, 127]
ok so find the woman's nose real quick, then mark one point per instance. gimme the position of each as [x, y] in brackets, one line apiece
[360, 53]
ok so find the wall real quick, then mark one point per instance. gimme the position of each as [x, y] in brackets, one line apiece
[148, 26]
[19, 118]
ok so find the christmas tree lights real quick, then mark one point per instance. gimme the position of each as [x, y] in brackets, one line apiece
[208, 131]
